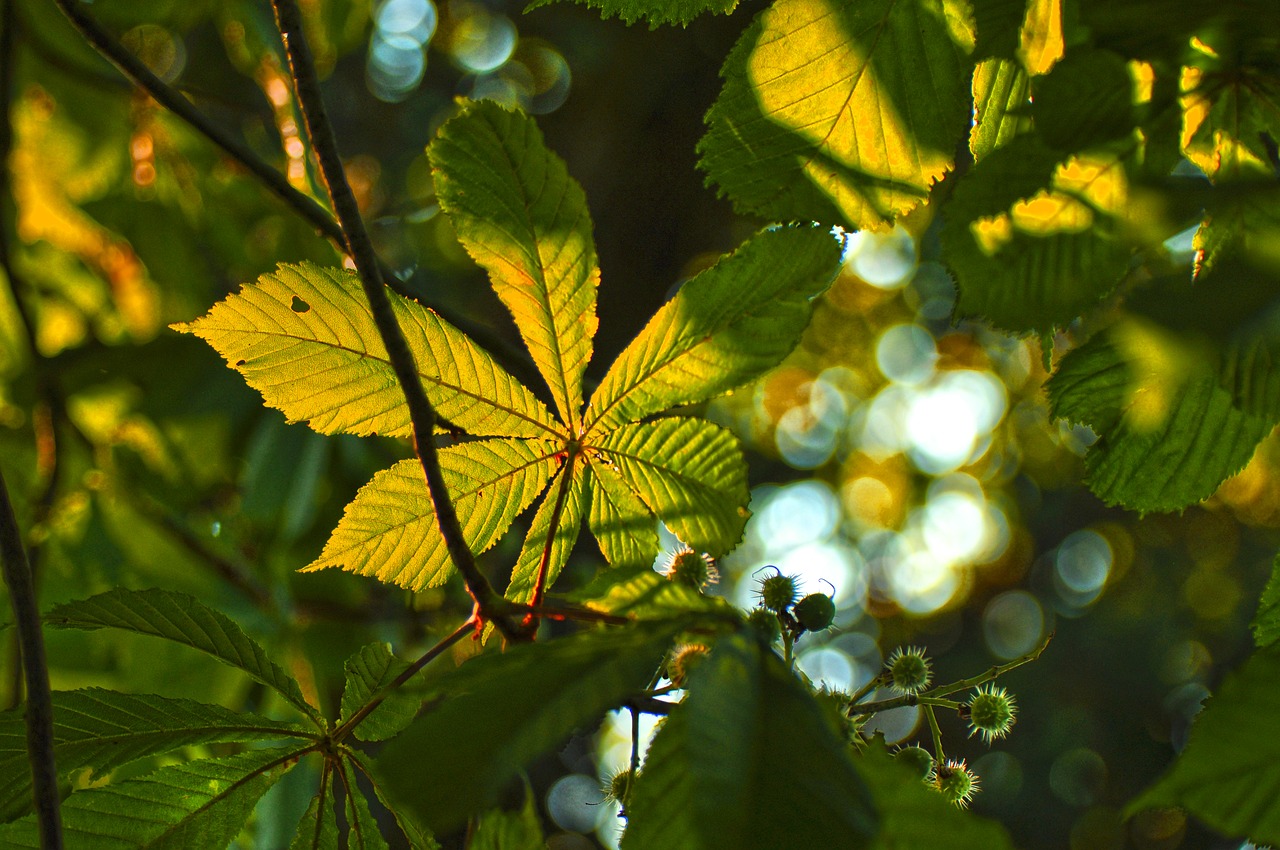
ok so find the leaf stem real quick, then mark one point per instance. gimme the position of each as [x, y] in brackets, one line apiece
[307, 87]
[930, 696]
[938, 755]
[409, 672]
[544, 565]
[39, 713]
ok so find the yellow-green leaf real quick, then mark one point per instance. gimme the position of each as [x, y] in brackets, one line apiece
[389, 530]
[1001, 104]
[569, 522]
[688, 472]
[524, 219]
[622, 525]
[305, 338]
[724, 327]
[841, 111]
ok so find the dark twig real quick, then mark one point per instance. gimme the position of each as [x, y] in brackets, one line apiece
[39, 713]
[307, 85]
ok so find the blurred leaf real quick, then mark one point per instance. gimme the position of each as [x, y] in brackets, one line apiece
[305, 338]
[644, 594]
[191, 806]
[102, 730]
[724, 327]
[656, 12]
[688, 472]
[501, 711]
[748, 760]
[1029, 235]
[1085, 101]
[499, 830]
[915, 817]
[1231, 106]
[1266, 622]
[389, 530]
[524, 219]
[369, 671]
[826, 115]
[181, 619]
[1229, 773]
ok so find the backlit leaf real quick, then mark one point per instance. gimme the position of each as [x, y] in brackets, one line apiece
[723, 328]
[1001, 104]
[1231, 106]
[625, 529]
[369, 671]
[1028, 235]
[525, 573]
[515, 706]
[688, 472]
[182, 619]
[1229, 773]
[389, 530]
[840, 111]
[305, 338]
[644, 594]
[748, 760]
[191, 806]
[524, 219]
[1266, 623]
[656, 12]
[102, 730]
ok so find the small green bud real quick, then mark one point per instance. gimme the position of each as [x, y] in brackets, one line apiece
[917, 759]
[815, 612]
[691, 569]
[991, 712]
[956, 782]
[778, 592]
[765, 624]
[909, 670]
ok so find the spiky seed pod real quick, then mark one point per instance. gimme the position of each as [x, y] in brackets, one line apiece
[691, 569]
[918, 759]
[778, 592]
[956, 782]
[685, 659]
[991, 712]
[765, 624]
[909, 670]
[815, 612]
[617, 786]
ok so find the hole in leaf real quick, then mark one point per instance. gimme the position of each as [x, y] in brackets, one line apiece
[298, 305]
[239, 363]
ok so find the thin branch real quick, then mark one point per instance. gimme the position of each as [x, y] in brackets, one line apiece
[409, 672]
[931, 696]
[307, 86]
[39, 713]
[936, 732]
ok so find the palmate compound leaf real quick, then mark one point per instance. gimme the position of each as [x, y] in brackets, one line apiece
[840, 111]
[1182, 390]
[1229, 773]
[191, 806]
[522, 217]
[389, 530]
[185, 620]
[748, 760]
[305, 338]
[723, 327]
[501, 711]
[656, 12]
[101, 730]
[319, 830]
[1029, 234]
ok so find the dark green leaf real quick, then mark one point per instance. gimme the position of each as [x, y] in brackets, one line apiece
[1266, 623]
[192, 806]
[1229, 774]
[502, 711]
[102, 730]
[182, 619]
[368, 671]
[362, 829]
[748, 760]
[656, 12]
[318, 829]
[1085, 101]
[499, 830]
[644, 594]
